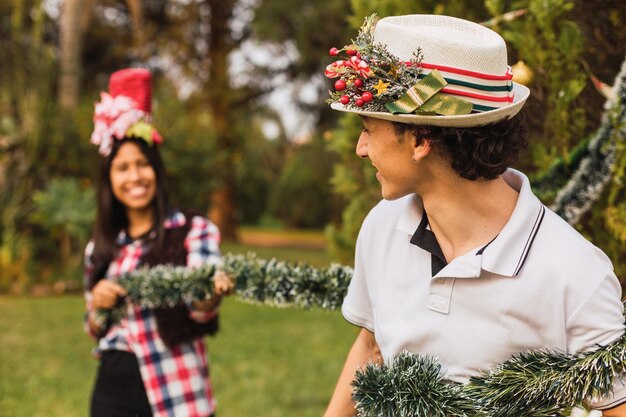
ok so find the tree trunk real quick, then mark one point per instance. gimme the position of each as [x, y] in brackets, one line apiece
[222, 210]
[136, 14]
[71, 45]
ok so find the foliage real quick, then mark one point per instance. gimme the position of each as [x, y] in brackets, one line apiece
[26, 121]
[587, 182]
[66, 211]
[258, 169]
[353, 179]
[300, 31]
[189, 150]
[301, 196]
[550, 42]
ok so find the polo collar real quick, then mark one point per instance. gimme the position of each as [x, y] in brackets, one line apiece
[508, 251]
[506, 254]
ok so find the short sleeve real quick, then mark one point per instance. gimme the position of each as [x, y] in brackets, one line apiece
[88, 261]
[357, 306]
[202, 243]
[598, 321]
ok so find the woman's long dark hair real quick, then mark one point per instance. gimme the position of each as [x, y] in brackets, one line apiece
[111, 217]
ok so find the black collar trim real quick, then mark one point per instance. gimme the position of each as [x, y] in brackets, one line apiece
[530, 240]
[424, 238]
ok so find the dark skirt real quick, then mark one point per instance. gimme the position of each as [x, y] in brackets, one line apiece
[119, 390]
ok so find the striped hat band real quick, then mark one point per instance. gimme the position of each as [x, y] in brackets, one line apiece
[485, 91]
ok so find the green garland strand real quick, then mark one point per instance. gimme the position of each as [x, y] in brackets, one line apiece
[539, 383]
[272, 282]
[531, 384]
[410, 385]
[595, 169]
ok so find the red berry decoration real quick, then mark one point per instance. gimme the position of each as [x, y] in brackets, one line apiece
[351, 51]
[344, 99]
[333, 51]
[340, 85]
[358, 83]
[360, 102]
[367, 96]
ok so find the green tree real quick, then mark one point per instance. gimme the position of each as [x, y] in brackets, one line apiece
[301, 197]
[65, 211]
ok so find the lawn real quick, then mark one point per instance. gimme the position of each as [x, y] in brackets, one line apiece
[266, 361]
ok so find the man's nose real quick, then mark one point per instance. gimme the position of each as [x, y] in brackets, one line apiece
[361, 147]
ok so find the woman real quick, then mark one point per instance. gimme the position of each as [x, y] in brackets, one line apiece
[153, 362]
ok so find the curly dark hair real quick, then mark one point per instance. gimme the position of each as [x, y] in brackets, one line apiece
[475, 152]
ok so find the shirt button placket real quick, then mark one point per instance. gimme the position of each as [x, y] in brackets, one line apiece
[440, 294]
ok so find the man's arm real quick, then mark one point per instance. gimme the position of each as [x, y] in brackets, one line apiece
[364, 350]
[619, 411]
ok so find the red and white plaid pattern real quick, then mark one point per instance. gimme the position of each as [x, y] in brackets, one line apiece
[176, 380]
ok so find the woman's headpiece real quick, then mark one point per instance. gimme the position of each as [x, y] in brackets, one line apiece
[125, 111]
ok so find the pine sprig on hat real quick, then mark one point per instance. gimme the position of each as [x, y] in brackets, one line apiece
[369, 76]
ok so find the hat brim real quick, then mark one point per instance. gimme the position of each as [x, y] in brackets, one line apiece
[467, 120]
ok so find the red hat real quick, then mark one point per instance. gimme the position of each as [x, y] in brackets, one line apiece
[125, 111]
[135, 83]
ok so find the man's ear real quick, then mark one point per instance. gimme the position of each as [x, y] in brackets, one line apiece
[422, 146]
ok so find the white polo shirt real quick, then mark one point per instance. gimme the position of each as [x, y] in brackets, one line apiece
[538, 284]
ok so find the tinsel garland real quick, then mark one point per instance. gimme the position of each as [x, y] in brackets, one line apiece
[273, 282]
[594, 171]
[532, 384]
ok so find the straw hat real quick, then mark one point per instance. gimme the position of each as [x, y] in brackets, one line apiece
[471, 58]
[125, 111]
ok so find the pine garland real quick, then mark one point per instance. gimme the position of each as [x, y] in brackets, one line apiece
[281, 283]
[531, 384]
[272, 282]
[595, 170]
[410, 385]
[539, 383]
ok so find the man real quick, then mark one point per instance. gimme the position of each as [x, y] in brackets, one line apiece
[460, 261]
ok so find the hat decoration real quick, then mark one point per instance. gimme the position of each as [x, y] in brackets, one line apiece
[372, 78]
[126, 111]
[385, 72]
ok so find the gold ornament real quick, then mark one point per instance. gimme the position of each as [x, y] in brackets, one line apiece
[522, 73]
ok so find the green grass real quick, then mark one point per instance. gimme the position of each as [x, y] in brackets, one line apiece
[318, 258]
[265, 361]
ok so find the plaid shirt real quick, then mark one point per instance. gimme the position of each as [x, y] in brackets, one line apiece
[176, 380]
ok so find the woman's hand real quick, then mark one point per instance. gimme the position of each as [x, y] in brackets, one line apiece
[223, 283]
[106, 294]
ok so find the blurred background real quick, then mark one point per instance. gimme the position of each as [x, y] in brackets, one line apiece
[239, 97]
